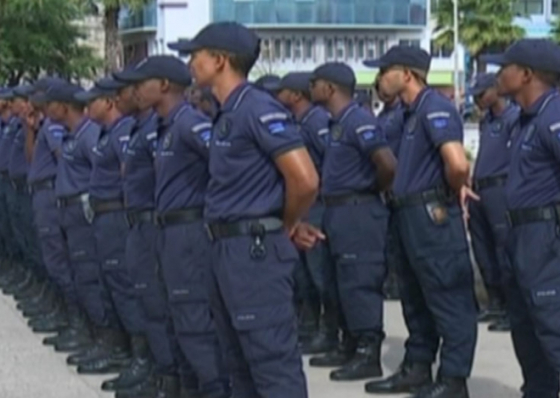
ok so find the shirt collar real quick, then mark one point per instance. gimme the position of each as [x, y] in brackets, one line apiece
[307, 114]
[346, 111]
[175, 112]
[236, 96]
[117, 123]
[419, 100]
[144, 119]
[81, 126]
[540, 103]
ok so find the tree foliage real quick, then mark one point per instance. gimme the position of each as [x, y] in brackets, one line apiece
[555, 30]
[41, 36]
[484, 26]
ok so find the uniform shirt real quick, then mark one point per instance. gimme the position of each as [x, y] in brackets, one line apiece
[493, 150]
[106, 180]
[47, 147]
[429, 122]
[391, 121]
[251, 130]
[8, 133]
[139, 173]
[18, 166]
[534, 169]
[75, 164]
[182, 159]
[353, 136]
[315, 129]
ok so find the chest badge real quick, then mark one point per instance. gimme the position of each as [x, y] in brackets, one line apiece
[70, 146]
[336, 132]
[497, 127]
[6, 130]
[103, 141]
[167, 140]
[411, 124]
[224, 128]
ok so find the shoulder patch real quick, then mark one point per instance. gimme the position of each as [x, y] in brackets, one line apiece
[366, 128]
[438, 115]
[554, 127]
[152, 135]
[273, 116]
[323, 132]
[124, 138]
[201, 127]
[439, 120]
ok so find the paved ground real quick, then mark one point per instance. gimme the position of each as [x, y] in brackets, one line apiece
[29, 369]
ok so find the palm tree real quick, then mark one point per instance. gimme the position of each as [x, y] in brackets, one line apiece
[484, 26]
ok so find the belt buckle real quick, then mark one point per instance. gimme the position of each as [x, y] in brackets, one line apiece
[208, 230]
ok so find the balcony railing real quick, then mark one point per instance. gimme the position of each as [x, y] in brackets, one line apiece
[144, 19]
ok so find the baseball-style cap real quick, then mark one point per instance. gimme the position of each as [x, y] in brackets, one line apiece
[483, 82]
[44, 83]
[296, 81]
[537, 54]
[24, 91]
[6, 93]
[408, 56]
[166, 67]
[268, 83]
[335, 72]
[63, 92]
[103, 88]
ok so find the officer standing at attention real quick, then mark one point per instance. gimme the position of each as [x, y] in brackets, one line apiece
[293, 92]
[391, 121]
[111, 228]
[437, 287]
[357, 167]
[268, 83]
[529, 74]
[183, 248]
[487, 217]
[262, 182]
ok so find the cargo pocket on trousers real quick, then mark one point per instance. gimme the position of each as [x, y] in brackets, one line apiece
[445, 272]
[189, 309]
[545, 302]
[361, 271]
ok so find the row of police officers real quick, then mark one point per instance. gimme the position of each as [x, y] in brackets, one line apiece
[160, 243]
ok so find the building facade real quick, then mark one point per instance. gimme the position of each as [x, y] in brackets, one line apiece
[296, 34]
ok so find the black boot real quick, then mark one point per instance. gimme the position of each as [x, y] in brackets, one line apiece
[50, 323]
[77, 336]
[445, 387]
[391, 286]
[112, 354]
[32, 292]
[337, 357]
[168, 387]
[320, 343]
[13, 276]
[501, 325]
[409, 378]
[139, 369]
[45, 300]
[21, 285]
[146, 389]
[495, 308]
[366, 363]
[308, 322]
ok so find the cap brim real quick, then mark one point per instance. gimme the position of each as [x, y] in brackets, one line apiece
[374, 63]
[494, 59]
[86, 97]
[185, 46]
[39, 98]
[129, 77]
[272, 86]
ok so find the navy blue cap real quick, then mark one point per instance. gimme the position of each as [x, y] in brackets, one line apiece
[226, 36]
[482, 82]
[24, 91]
[38, 98]
[6, 93]
[166, 67]
[103, 88]
[268, 82]
[63, 92]
[408, 56]
[44, 83]
[296, 81]
[177, 45]
[537, 54]
[335, 72]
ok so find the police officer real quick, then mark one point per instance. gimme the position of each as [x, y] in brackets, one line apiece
[71, 188]
[434, 267]
[487, 222]
[391, 121]
[293, 92]
[268, 83]
[529, 74]
[262, 182]
[357, 167]
[203, 100]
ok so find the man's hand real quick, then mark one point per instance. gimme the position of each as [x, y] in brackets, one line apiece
[305, 236]
[466, 195]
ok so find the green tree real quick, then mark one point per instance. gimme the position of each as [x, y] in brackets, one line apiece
[484, 26]
[40, 36]
[555, 30]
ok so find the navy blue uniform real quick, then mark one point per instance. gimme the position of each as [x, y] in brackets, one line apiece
[432, 252]
[41, 178]
[71, 188]
[110, 226]
[391, 121]
[533, 246]
[252, 267]
[356, 220]
[183, 247]
[487, 222]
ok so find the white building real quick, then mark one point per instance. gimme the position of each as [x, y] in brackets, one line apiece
[296, 34]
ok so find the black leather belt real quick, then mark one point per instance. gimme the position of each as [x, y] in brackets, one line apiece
[69, 200]
[488, 182]
[47, 183]
[176, 217]
[349, 199]
[420, 198]
[101, 206]
[532, 215]
[19, 184]
[253, 227]
[140, 216]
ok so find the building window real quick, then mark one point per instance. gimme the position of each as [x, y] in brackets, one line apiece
[308, 51]
[340, 50]
[298, 50]
[528, 7]
[555, 7]
[361, 49]
[288, 49]
[370, 50]
[330, 49]
[266, 52]
[408, 42]
[350, 48]
[277, 48]
[382, 47]
[440, 51]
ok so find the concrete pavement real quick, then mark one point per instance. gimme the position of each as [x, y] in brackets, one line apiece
[30, 370]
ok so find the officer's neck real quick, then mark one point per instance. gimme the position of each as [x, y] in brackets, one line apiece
[110, 117]
[531, 94]
[499, 107]
[224, 87]
[337, 105]
[300, 108]
[73, 120]
[168, 103]
[409, 95]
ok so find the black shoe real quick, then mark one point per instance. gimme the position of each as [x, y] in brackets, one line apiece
[391, 287]
[88, 354]
[490, 315]
[111, 362]
[320, 343]
[501, 325]
[15, 277]
[70, 340]
[147, 389]
[50, 323]
[366, 364]
[31, 293]
[337, 357]
[409, 378]
[138, 371]
[168, 387]
[21, 285]
[447, 387]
